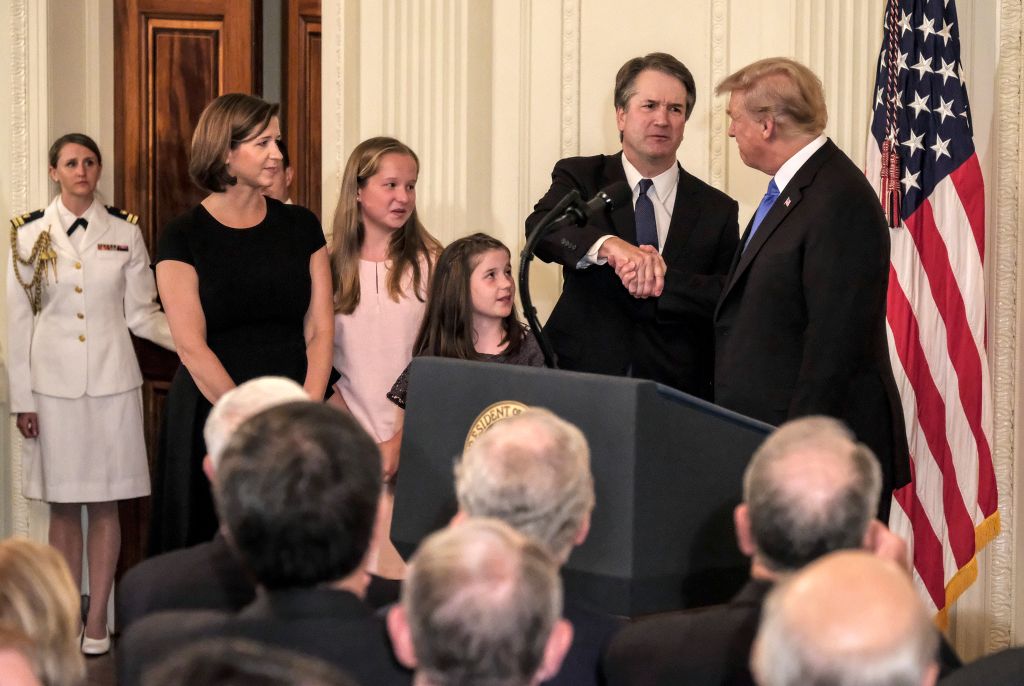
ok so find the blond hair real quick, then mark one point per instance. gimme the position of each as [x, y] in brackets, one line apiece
[784, 90]
[408, 247]
[39, 599]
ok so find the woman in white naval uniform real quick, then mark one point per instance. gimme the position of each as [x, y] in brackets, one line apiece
[80, 279]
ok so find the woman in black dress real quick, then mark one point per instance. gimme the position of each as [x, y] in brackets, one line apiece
[246, 284]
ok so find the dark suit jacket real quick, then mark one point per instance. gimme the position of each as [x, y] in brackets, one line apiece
[800, 327]
[202, 577]
[1005, 668]
[592, 632]
[704, 646]
[709, 645]
[596, 325]
[207, 576]
[334, 626]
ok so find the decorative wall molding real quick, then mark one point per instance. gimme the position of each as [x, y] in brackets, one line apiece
[1001, 582]
[570, 78]
[718, 140]
[839, 40]
[19, 182]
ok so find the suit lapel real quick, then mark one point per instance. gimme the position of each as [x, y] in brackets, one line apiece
[623, 220]
[685, 212]
[784, 204]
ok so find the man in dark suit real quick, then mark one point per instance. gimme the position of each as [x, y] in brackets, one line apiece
[209, 575]
[800, 326]
[675, 240]
[808, 490]
[297, 489]
[532, 471]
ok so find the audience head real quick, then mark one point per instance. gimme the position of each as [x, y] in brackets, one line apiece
[809, 489]
[242, 402]
[283, 178]
[239, 662]
[481, 604]
[531, 471]
[463, 289]
[775, 105]
[227, 122]
[297, 490]
[18, 664]
[378, 193]
[39, 599]
[849, 618]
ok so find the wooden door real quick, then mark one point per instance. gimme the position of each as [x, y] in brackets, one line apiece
[171, 58]
[302, 105]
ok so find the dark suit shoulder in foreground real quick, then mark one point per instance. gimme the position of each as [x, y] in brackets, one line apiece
[334, 626]
[708, 645]
[201, 577]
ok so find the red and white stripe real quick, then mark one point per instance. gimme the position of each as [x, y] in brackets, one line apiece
[937, 342]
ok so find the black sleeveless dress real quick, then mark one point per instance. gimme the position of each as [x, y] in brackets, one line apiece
[254, 287]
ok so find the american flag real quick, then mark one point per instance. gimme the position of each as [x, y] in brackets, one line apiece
[934, 195]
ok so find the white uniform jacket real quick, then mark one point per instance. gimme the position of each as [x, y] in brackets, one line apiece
[78, 343]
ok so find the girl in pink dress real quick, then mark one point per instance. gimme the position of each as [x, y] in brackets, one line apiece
[381, 262]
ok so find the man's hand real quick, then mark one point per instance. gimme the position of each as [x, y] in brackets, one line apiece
[641, 270]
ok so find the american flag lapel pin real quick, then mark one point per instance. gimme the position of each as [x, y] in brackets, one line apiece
[786, 203]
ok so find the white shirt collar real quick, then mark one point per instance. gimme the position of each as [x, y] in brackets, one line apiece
[67, 217]
[789, 169]
[663, 182]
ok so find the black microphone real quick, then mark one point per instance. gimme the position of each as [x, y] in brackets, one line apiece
[605, 200]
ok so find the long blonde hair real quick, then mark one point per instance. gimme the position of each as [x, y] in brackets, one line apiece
[38, 598]
[408, 245]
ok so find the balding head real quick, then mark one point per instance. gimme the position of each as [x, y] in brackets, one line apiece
[531, 471]
[850, 618]
[242, 402]
[810, 489]
[481, 603]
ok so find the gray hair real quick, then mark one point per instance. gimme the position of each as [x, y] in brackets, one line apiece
[242, 402]
[793, 527]
[481, 601]
[795, 647]
[531, 471]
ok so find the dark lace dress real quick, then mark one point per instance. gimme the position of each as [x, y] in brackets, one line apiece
[529, 354]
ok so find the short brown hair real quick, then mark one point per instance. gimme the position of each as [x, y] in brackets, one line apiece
[625, 80]
[225, 123]
[784, 90]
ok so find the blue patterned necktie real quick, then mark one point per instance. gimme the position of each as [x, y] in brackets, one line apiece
[766, 204]
[646, 225]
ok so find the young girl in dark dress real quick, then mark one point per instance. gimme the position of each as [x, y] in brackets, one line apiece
[471, 312]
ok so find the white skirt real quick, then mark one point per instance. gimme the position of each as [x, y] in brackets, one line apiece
[89, 449]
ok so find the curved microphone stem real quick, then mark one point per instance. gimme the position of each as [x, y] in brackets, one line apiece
[570, 203]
